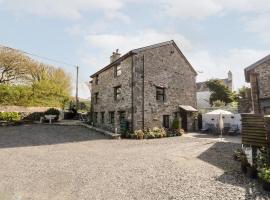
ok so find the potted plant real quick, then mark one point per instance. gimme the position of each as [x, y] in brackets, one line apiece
[264, 175]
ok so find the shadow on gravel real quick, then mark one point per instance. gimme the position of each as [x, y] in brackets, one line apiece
[35, 135]
[221, 156]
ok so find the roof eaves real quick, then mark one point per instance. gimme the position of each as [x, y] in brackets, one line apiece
[253, 66]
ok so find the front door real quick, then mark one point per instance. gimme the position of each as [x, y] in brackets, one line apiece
[183, 115]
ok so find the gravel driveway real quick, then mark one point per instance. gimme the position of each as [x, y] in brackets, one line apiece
[61, 162]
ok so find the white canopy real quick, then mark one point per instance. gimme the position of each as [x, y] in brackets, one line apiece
[219, 111]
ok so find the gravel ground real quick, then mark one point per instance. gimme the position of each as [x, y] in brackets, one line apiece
[59, 162]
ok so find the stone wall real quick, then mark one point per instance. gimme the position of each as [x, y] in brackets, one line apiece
[27, 113]
[105, 87]
[164, 67]
[260, 86]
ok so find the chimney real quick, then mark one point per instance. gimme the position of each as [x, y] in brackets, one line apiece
[115, 55]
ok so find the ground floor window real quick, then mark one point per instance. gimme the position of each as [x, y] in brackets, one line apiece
[122, 116]
[166, 121]
[267, 110]
[95, 117]
[102, 117]
[111, 115]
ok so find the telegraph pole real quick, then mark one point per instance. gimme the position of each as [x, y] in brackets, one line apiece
[77, 82]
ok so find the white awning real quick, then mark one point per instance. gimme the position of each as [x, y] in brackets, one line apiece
[188, 108]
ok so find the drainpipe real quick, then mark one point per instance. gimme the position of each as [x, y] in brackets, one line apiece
[143, 94]
[258, 94]
[132, 95]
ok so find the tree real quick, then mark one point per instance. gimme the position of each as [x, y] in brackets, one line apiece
[219, 91]
[13, 66]
[218, 104]
[244, 92]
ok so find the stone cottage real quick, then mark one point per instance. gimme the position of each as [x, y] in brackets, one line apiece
[203, 92]
[146, 87]
[258, 75]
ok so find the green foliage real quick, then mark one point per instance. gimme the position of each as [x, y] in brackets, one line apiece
[176, 123]
[220, 92]
[52, 111]
[244, 92]
[9, 116]
[218, 104]
[25, 82]
[264, 174]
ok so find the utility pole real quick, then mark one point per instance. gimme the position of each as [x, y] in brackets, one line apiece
[77, 82]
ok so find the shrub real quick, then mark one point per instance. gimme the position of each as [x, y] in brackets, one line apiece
[176, 123]
[52, 111]
[9, 116]
[264, 174]
[139, 134]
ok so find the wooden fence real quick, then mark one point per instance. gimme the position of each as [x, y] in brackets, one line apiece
[254, 130]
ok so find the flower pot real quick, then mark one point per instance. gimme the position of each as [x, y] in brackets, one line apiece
[266, 185]
[251, 172]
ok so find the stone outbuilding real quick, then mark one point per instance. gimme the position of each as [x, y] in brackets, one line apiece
[146, 87]
[258, 75]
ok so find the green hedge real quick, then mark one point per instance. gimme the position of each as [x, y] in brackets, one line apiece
[9, 116]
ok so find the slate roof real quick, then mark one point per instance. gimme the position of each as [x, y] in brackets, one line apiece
[138, 50]
[253, 66]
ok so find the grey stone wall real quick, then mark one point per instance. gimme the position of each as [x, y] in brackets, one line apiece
[162, 66]
[107, 82]
[262, 73]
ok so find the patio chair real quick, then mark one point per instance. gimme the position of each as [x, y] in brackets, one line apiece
[234, 130]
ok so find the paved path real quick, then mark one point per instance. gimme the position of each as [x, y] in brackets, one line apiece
[64, 162]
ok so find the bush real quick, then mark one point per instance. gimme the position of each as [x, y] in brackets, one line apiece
[52, 111]
[139, 134]
[9, 116]
[264, 174]
[176, 124]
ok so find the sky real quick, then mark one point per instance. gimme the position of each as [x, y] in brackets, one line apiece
[215, 35]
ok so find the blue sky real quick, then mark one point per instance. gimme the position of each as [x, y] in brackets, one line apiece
[215, 35]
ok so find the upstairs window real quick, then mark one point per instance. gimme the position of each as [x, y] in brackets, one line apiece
[117, 93]
[160, 94]
[97, 79]
[111, 115]
[96, 98]
[117, 70]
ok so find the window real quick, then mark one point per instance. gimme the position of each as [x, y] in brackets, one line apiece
[122, 116]
[97, 80]
[117, 70]
[160, 94]
[267, 110]
[95, 117]
[117, 93]
[96, 98]
[166, 121]
[111, 114]
[102, 117]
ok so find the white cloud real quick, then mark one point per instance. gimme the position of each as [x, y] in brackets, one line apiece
[200, 9]
[125, 42]
[71, 9]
